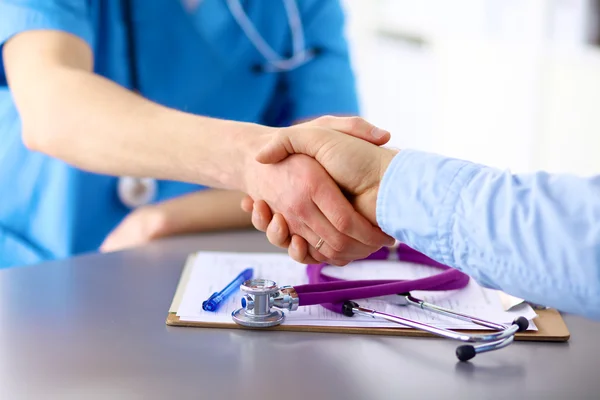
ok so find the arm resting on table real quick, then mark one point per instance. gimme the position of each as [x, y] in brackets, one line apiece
[205, 210]
[202, 211]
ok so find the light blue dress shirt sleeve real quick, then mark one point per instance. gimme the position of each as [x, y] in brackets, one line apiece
[535, 236]
[70, 16]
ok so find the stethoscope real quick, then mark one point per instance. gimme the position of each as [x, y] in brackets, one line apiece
[135, 192]
[275, 63]
[262, 295]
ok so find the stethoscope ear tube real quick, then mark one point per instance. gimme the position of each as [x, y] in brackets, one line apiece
[275, 63]
[494, 341]
[468, 351]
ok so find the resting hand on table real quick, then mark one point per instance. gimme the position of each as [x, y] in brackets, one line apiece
[301, 191]
[139, 227]
[356, 166]
[201, 211]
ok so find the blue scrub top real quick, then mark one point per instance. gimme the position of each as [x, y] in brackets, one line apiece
[197, 61]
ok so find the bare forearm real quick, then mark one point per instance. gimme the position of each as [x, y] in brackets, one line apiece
[99, 126]
[202, 211]
[70, 113]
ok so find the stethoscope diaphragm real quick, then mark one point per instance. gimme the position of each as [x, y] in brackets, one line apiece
[136, 192]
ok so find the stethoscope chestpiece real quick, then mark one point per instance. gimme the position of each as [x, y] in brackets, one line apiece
[136, 192]
[256, 305]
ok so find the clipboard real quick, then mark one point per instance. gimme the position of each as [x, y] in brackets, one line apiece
[550, 324]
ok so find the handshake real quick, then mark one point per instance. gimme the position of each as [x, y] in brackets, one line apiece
[313, 189]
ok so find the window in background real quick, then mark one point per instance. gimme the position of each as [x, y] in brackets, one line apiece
[510, 83]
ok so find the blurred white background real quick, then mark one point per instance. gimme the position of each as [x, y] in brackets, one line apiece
[509, 83]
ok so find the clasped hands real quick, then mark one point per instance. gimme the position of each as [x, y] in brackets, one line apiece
[313, 189]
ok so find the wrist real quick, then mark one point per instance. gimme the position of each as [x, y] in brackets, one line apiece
[366, 203]
[387, 155]
[208, 151]
[249, 140]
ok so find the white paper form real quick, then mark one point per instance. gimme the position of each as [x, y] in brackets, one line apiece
[212, 271]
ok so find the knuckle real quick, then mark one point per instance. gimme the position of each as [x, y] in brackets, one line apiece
[291, 209]
[375, 240]
[308, 257]
[295, 228]
[328, 252]
[333, 254]
[317, 256]
[325, 119]
[272, 241]
[275, 239]
[299, 210]
[339, 244]
[355, 123]
[280, 135]
[343, 223]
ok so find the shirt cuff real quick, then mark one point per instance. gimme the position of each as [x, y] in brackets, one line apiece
[417, 198]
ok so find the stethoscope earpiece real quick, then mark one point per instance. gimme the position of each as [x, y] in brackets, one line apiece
[465, 352]
[522, 323]
[347, 308]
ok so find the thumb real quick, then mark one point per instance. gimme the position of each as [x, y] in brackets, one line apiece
[282, 146]
[278, 148]
[354, 126]
[290, 141]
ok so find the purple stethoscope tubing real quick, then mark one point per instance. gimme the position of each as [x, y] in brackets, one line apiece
[336, 295]
[331, 293]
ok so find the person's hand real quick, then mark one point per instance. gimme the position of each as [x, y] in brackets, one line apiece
[141, 226]
[312, 204]
[356, 165]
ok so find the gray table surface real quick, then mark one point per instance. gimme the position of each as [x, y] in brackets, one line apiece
[94, 327]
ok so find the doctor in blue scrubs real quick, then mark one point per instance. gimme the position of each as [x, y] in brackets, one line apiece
[116, 117]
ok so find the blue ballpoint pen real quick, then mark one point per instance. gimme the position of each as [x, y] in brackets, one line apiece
[215, 300]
